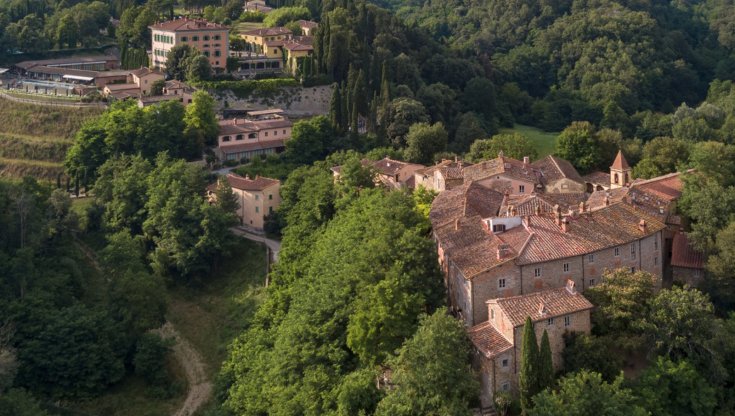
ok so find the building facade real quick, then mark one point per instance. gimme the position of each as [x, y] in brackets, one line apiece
[260, 133]
[256, 198]
[212, 39]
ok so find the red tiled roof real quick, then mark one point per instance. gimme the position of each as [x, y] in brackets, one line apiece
[145, 71]
[620, 163]
[235, 126]
[666, 187]
[596, 200]
[295, 46]
[308, 24]
[684, 255]
[471, 249]
[556, 302]
[607, 227]
[187, 25]
[488, 340]
[502, 165]
[247, 184]
[390, 167]
[597, 178]
[464, 201]
[68, 61]
[554, 169]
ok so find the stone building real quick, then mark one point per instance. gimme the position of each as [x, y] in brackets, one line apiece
[446, 174]
[212, 39]
[256, 198]
[498, 340]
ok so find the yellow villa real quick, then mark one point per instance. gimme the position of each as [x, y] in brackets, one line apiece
[209, 38]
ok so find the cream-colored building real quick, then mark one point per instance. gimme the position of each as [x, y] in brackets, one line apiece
[267, 41]
[212, 39]
[139, 83]
[256, 198]
[261, 133]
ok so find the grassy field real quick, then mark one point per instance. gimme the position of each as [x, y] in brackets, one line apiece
[211, 315]
[544, 141]
[34, 139]
[241, 27]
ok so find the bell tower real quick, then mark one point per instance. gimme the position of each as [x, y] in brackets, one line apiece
[619, 172]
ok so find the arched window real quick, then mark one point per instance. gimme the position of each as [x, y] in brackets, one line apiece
[616, 178]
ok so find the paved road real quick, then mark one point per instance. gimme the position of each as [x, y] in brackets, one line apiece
[274, 245]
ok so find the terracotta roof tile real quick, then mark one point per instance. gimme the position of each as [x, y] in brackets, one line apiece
[186, 25]
[488, 340]
[684, 255]
[247, 184]
[259, 145]
[390, 167]
[554, 168]
[268, 31]
[620, 163]
[464, 201]
[556, 302]
[666, 187]
[598, 178]
[607, 227]
[502, 165]
[470, 247]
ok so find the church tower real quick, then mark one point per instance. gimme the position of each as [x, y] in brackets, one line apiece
[619, 172]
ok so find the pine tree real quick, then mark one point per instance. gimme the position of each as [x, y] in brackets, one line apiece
[545, 364]
[225, 198]
[529, 366]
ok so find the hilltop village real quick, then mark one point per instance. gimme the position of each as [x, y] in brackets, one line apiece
[367, 208]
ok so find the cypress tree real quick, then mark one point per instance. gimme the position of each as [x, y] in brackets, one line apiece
[345, 114]
[335, 108]
[354, 115]
[546, 366]
[359, 94]
[529, 366]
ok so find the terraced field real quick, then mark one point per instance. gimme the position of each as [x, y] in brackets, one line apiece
[34, 139]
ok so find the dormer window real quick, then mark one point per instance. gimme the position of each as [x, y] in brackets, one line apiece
[498, 228]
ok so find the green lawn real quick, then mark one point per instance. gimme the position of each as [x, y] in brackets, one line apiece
[544, 141]
[212, 314]
[241, 27]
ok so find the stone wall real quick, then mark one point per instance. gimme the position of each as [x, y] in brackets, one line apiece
[297, 102]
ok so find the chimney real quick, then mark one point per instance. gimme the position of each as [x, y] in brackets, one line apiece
[557, 214]
[570, 287]
[565, 225]
[537, 210]
[607, 201]
[541, 308]
[527, 221]
[526, 160]
[581, 207]
[503, 251]
[642, 226]
[247, 176]
[456, 224]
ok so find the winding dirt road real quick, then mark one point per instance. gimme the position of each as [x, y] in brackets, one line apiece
[200, 387]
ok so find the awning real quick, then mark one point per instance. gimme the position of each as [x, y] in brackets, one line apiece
[78, 78]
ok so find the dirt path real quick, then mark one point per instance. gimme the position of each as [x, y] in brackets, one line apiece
[200, 387]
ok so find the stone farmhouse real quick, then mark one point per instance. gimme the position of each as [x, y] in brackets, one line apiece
[393, 174]
[262, 132]
[498, 340]
[514, 238]
[212, 39]
[138, 83]
[256, 198]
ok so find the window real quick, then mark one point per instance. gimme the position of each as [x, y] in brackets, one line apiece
[275, 133]
[266, 134]
[591, 258]
[270, 197]
[537, 272]
[217, 53]
[505, 362]
[521, 188]
[270, 210]
[505, 386]
[257, 197]
[184, 38]
[498, 228]
[257, 210]
[238, 137]
[501, 283]
[195, 38]
[206, 37]
[617, 251]
[592, 282]
[550, 321]
[566, 267]
[655, 261]
[226, 138]
[217, 37]
[492, 313]
[655, 245]
[206, 53]
[632, 269]
[632, 251]
[567, 320]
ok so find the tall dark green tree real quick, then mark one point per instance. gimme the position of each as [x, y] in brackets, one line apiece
[529, 374]
[546, 365]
